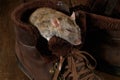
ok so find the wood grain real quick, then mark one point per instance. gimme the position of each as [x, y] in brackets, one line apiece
[8, 66]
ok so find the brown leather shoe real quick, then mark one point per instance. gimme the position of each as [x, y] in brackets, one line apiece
[103, 41]
[34, 54]
[32, 49]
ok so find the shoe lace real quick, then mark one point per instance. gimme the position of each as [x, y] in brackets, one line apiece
[77, 68]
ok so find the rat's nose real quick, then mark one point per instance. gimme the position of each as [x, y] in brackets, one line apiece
[78, 42]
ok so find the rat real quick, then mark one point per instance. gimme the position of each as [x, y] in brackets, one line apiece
[51, 23]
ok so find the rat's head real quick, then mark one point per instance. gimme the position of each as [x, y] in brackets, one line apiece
[67, 29]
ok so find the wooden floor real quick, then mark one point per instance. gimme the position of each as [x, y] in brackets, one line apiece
[8, 66]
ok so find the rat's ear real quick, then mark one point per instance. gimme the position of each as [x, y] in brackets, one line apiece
[73, 16]
[55, 22]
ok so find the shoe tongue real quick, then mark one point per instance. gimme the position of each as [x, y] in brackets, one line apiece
[59, 47]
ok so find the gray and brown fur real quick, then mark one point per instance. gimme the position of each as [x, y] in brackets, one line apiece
[54, 23]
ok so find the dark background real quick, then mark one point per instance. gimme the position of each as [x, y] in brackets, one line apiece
[8, 66]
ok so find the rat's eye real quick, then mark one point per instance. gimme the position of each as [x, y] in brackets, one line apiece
[70, 30]
[59, 18]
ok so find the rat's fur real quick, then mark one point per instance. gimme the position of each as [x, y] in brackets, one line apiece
[54, 23]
